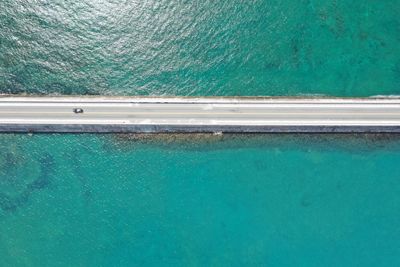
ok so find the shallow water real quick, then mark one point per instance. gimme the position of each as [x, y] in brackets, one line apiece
[200, 200]
[267, 200]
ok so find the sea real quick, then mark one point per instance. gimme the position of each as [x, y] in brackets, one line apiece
[200, 199]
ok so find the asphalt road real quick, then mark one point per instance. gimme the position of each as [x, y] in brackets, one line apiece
[42, 112]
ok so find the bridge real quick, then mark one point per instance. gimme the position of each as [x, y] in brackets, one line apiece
[102, 114]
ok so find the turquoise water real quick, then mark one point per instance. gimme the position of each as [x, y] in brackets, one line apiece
[200, 200]
[268, 200]
[226, 47]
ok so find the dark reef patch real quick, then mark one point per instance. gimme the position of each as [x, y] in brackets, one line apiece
[76, 164]
[7, 204]
[12, 202]
[354, 143]
[306, 201]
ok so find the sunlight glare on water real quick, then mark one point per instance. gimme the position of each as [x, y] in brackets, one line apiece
[169, 47]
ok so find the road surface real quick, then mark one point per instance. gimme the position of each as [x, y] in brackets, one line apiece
[123, 114]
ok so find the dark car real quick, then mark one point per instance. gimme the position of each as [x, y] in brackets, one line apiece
[77, 110]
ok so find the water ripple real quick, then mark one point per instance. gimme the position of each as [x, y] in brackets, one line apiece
[170, 47]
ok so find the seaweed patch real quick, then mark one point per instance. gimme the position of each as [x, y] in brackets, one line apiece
[7, 204]
[12, 202]
[351, 142]
[81, 175]
[187, 141]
